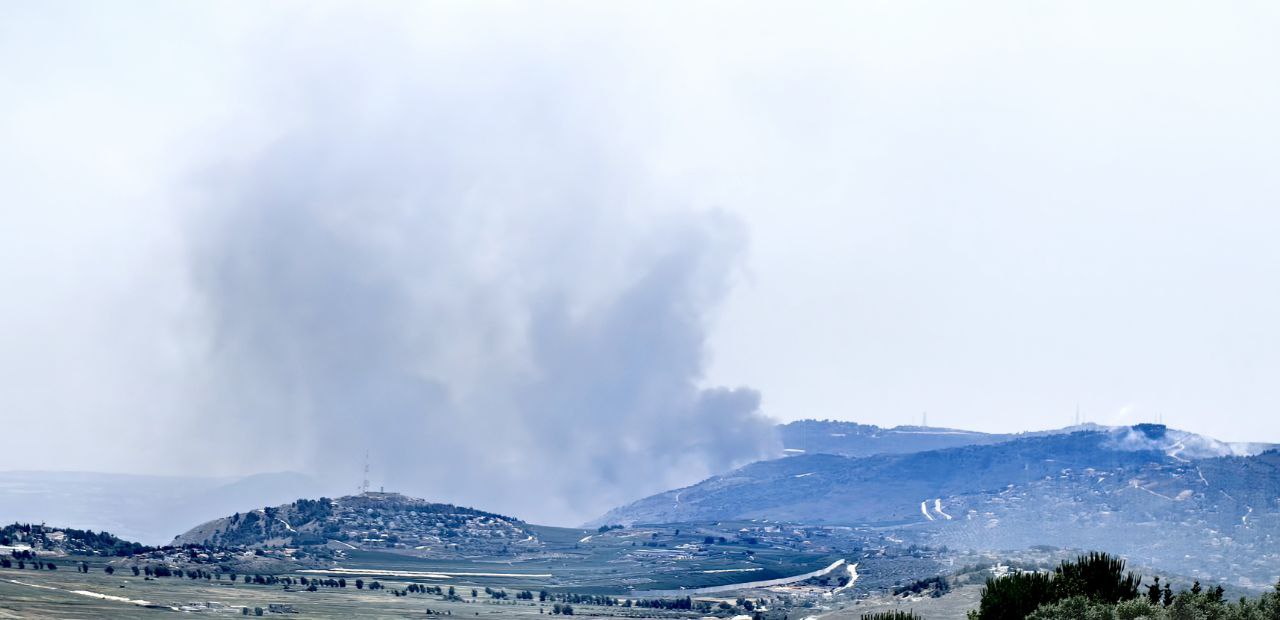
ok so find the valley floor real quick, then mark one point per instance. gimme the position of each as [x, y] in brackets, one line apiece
[61, 594]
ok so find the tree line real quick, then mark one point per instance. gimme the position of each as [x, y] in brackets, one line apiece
[1097, 587]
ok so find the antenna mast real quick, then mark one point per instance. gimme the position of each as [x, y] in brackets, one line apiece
[364, 484]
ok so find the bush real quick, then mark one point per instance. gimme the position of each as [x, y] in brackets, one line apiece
[1074, 608]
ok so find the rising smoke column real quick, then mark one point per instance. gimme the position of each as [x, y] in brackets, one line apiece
[476, 284]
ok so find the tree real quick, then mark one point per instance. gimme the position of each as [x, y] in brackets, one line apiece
[1096, 577]
[110, 570]
[359, 584]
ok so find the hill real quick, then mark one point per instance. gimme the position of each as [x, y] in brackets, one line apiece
[1157, 494]
[371, 521]
[818, 488]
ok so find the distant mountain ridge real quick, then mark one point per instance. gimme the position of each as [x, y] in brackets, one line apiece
[833, 488]
[854, 439]
[1148, 491]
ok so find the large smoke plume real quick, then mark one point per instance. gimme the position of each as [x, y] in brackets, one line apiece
[472, 281]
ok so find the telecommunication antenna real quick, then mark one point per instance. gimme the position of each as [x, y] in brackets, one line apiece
[364, 484]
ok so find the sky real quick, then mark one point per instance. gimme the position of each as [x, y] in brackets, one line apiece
[596, 249]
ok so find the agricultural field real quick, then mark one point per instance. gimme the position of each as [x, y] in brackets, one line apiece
[68, 593]
[587, 565]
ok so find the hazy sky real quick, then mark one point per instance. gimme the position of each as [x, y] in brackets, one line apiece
[223, 223]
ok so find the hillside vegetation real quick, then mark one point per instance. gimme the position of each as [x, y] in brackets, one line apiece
[41, 540]
[1097, 587]
[372, 521]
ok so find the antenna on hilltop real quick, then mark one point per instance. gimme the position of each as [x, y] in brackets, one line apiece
[364, 484]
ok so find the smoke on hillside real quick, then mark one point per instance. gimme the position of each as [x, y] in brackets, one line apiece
[470, 282]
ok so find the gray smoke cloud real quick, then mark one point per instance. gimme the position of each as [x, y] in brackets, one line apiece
[506, 313]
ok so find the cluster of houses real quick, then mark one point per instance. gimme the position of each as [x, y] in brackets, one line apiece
[392, 521]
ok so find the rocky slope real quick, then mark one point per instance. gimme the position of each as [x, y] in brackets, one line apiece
[1163, 496]
[831, 488]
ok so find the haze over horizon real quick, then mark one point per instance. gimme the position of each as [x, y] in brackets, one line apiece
[596, 252]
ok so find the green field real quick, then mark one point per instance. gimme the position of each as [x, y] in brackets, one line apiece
[67, 593]
[54, 594]
[572, 562]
